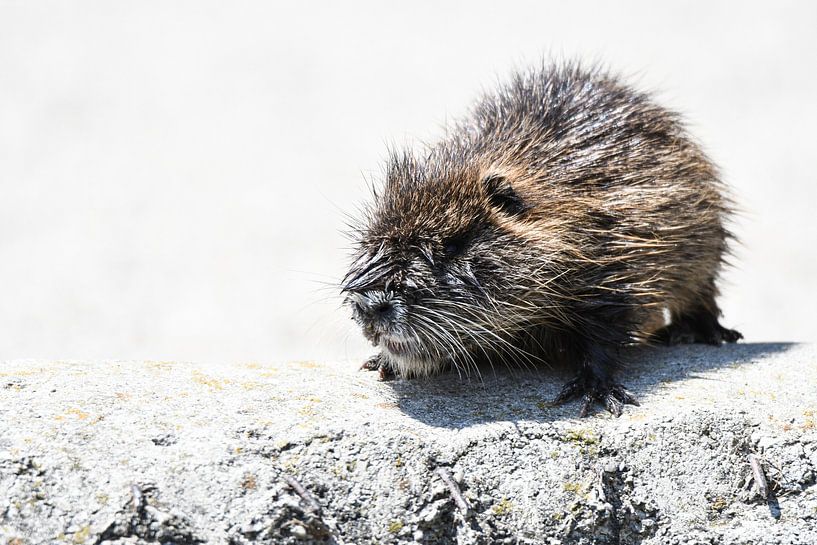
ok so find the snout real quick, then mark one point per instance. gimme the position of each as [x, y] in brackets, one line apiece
[378, 311]
[375, 307]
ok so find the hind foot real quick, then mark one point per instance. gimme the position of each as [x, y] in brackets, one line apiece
[697, 328]
[591, 389]
[729, 335]
[381, 364]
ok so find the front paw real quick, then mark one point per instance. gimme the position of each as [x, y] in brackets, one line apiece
[591, 390]
[381, 364]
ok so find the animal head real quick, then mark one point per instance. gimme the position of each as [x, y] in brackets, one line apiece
[444, 268]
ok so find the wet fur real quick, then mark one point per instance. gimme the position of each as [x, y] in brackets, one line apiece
[565, 217]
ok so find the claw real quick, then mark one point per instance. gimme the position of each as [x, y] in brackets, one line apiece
[386, 373]
[587, 402]
[730, 335]
[381, 365]
[570, 391]
[613, 396]
[625, 396]
[613, 405]
[371, 364]
[698, 327]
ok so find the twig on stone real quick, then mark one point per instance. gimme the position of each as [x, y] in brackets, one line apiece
[313, 507]
[759, 475]
[459, 499]
[310, 500]
[138, 498]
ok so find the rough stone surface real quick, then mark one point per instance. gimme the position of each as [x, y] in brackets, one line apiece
[161, 452]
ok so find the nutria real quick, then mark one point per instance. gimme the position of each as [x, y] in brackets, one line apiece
[567, 216]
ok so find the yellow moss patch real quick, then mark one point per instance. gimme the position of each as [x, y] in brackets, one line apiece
[82, 535]
[395, 526]
[582, 435]
[719, 504]
[502, 507]
[264, 422]
[80, 414]
[575, 488]
[160, 365]
[210, 382]
[281, 444]
[249, 482]
[808, 424]
[25, 373]
[289, 464]
[309, 410]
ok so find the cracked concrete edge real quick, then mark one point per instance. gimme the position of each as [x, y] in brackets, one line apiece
[159, 452]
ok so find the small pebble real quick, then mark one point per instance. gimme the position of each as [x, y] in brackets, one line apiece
[298, 531]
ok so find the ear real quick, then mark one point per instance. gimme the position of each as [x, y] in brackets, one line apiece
[502, 195]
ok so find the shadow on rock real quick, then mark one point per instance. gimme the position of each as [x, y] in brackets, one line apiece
[501, 394]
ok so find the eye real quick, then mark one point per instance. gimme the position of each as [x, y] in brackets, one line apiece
[453, 246]
[502, 195]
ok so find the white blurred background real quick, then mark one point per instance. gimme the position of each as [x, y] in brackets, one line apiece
[173, 175]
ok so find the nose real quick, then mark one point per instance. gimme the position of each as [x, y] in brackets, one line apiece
[382, 310]
[376, 306]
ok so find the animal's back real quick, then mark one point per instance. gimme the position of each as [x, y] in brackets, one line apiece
[640, 207]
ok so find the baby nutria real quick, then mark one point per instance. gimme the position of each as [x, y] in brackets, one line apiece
[567, 216]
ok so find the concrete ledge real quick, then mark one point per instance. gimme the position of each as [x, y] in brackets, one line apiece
[163, 452]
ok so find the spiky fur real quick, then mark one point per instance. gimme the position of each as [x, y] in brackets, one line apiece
[564, 217]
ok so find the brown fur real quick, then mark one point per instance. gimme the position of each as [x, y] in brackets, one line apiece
[568, 215]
